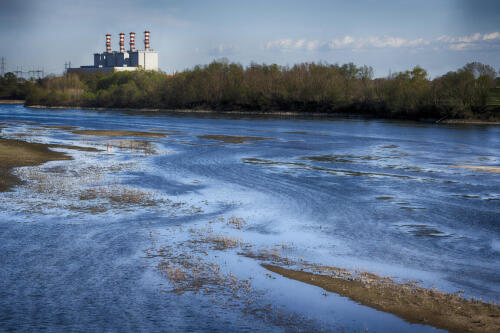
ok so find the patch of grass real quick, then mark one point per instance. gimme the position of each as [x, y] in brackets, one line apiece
[236, 139]
[120, 195]
[221, 242]
[57, 183]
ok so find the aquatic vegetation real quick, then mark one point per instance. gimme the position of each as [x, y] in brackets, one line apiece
[236, 222]
[121, 195]
[189, 267]
[91, 189]
[140, 146]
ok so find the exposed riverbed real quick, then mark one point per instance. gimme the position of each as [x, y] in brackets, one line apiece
[163, 222]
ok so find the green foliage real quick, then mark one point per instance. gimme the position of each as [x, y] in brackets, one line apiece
[311, 87]
[13, 88]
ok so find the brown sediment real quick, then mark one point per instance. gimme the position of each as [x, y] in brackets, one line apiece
[490, 169]
[17, 153]
[120, 133]
[232, 138]
[409, 301]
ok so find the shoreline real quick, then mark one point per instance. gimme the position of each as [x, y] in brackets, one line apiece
[270, 113]
[12, 101]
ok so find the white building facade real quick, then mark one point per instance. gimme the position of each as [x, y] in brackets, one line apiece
[130, 60]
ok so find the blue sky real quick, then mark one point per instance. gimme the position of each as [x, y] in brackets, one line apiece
[440, 35]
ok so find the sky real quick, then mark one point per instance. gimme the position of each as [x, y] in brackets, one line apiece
[389, 35]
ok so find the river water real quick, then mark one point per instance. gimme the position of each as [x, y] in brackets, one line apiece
[388, 197]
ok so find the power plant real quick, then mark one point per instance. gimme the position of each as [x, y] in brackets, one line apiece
[122, 60]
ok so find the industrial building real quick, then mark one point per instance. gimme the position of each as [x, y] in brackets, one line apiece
[122, 60]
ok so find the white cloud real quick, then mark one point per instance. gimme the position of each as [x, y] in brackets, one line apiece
[461, 46]
[492, 36]
[287, 44]
[474, 41]
[222, 50]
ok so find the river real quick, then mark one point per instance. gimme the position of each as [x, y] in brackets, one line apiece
[399, 199]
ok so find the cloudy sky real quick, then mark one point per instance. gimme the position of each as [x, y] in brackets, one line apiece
[390, 35]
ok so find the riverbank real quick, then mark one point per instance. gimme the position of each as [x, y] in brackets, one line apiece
[12, 101]
[470, 122]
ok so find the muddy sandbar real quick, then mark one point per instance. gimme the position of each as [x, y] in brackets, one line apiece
[17, 153]
[490, 169]
[411, 302]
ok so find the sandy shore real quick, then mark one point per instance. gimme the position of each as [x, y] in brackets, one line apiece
[11, 101]
[470, 122]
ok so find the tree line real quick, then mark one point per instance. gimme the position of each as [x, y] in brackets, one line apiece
[305, 87]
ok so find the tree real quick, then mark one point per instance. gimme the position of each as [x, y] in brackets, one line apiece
[478, 69]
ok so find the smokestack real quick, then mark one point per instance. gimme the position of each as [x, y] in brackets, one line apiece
[108, 43]
[122, 42]
[132, 41]
[146, 40]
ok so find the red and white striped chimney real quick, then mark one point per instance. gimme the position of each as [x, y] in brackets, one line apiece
[146, 40]
[108, 43]
[122, 42]
[132, 41]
